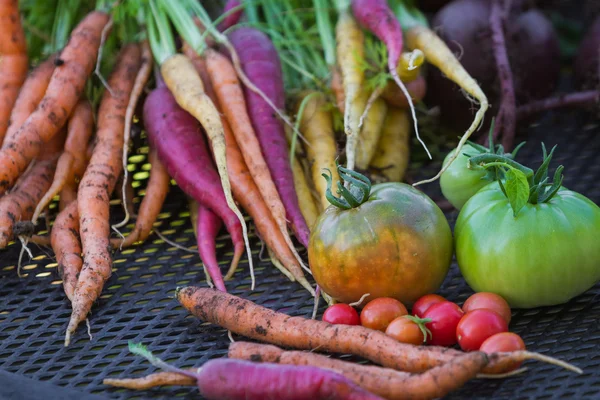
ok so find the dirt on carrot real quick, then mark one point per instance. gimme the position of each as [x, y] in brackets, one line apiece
[31, 94]
[253, 321]
[77, 61]
[385, 382]
[72, 161]
[19, 204]
[97, 185]
[66, 244]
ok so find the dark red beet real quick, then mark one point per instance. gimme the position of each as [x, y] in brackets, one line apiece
[585, 66]
[532, 48]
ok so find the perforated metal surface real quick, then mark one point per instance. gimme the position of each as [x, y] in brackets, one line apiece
[137, 303]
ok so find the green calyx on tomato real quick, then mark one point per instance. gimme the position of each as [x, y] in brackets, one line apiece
[527, 239]
[388, 239]
[461, 180]
[358, 192]
[420, 322]
[521, 185]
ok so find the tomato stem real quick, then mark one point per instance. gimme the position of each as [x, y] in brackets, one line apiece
[540, 190]
[357, 192]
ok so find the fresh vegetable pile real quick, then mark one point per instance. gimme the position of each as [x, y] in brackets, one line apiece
[299, 113]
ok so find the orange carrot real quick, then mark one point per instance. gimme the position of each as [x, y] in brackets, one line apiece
[72, 162]
[247, 192]
[19, 204]
[385, 382]
[253, 321]
[156, 192]
[232, 102]
[13, 59]
[78, 59]
[153, 380]
[66, 244]
[31, 94]
[97, 185]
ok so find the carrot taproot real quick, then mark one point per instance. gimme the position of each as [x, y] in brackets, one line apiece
[138, 87]
[350, 51]
[31, 94]
[308, 208]
[370, 132]
[316, 123]
[69, 190]
[97, 185]
[385, 382]
[437, 53]
[157, 379]
[207, 228]
[78, 59]
[230, 97]
[232, 379]
[66, 244]
[187, 88]
[72, 162]
[13, 59]
[392, 154]
[259, 60]
[376, 16]
[182, 149]
[256, 322]
[19, 204]
[247, 191]
[156, 192]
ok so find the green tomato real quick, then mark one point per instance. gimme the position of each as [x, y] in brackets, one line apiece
[393, 241]
[459, 183]
[546, 255]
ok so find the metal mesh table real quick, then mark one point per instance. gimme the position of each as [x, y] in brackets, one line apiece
[137, 302]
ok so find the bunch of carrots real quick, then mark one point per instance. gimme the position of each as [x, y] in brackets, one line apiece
[216, 112]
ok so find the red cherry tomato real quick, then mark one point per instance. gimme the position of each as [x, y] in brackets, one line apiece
[503, 342]
[424, 303]
[490, 301]
[478, 325]
[408, 329]
[341, 314]
[378, 313]
[444, 319]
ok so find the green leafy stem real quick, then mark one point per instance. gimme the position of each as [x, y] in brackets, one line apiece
[521, 185]
[357, 192]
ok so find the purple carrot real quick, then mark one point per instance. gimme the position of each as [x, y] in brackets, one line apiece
[208, 227]
[260, 62]
[376, 16]
[180, 144]
[233, 18]
[232, 379]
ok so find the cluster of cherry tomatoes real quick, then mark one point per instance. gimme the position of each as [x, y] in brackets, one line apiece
[481, 323]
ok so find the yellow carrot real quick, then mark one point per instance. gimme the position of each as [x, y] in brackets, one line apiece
[370, 132]
[392, 155]
[438, 54]
[316, 124]
[350, 52]
[305, 199]
[184, 82]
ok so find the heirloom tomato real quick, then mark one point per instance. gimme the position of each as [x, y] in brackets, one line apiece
[389, 240]
[461, 180]
[532, 242]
